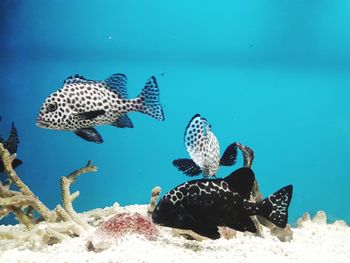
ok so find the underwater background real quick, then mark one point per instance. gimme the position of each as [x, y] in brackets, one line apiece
[273, 75]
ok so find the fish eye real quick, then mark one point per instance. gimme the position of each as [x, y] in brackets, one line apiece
[51, 107]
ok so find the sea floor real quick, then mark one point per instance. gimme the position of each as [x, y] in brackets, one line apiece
[313, 241]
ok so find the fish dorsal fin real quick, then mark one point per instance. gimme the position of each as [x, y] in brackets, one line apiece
[202, 144]
[77, 79]
[241, 181]
[117, 83]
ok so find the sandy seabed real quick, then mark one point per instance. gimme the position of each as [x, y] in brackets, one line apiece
[312, 242]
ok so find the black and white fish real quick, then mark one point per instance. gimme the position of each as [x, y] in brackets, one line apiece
[204, 150]
[82, 104]
[11, 145]
[203, 205]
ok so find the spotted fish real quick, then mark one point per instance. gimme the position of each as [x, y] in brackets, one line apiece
[82, 104]
[203, 205]
[204, 150]
[11, 145]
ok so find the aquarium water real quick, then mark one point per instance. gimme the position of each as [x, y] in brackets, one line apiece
[272, 75]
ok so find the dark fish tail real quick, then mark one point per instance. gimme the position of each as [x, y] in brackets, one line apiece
[149, 100]
[230, 155]
[275, 207]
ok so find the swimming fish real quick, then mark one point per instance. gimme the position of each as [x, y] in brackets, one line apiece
[203, 205]
[11, 145]
[204, 150]
[82, 104]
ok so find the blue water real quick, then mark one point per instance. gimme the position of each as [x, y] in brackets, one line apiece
[273, 75]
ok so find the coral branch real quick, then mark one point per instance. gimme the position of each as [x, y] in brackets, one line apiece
[50, 227]
[68, 198]
[26, 220]
[154, 196]
[17, 200]
[4, 212]
[24, 189]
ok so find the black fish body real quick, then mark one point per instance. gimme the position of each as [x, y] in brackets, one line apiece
[203, 205]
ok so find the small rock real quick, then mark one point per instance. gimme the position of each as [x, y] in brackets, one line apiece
[187, 234]
[340, 223]
[320, 218]
[120, 225]
[227, 233]
[304, 218]
[283, 234]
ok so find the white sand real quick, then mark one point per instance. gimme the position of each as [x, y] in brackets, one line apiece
[313, 242]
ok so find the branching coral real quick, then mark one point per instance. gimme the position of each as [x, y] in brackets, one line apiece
[52, 226]
[154, 196]
[68, 198]
[24, 198]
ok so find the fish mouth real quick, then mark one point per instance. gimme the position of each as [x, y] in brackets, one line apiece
[41, 123]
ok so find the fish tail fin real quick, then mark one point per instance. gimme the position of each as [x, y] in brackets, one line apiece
[149, 99]
[275, 207]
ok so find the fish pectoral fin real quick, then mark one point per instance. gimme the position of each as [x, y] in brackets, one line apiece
[230, 155]
[200, 228]
[89, 115]
[123, 122]
[89, 134]
[187, 166]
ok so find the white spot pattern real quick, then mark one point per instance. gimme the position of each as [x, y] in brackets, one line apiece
[82, 103]
[202, 145]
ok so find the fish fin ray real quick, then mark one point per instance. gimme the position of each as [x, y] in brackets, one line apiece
[118, 83]
[149, 98]
[89, 134]
[187, 166]
[229, 157]
[76, 79]
[123, 121]
[241, 181]
[275, 207]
